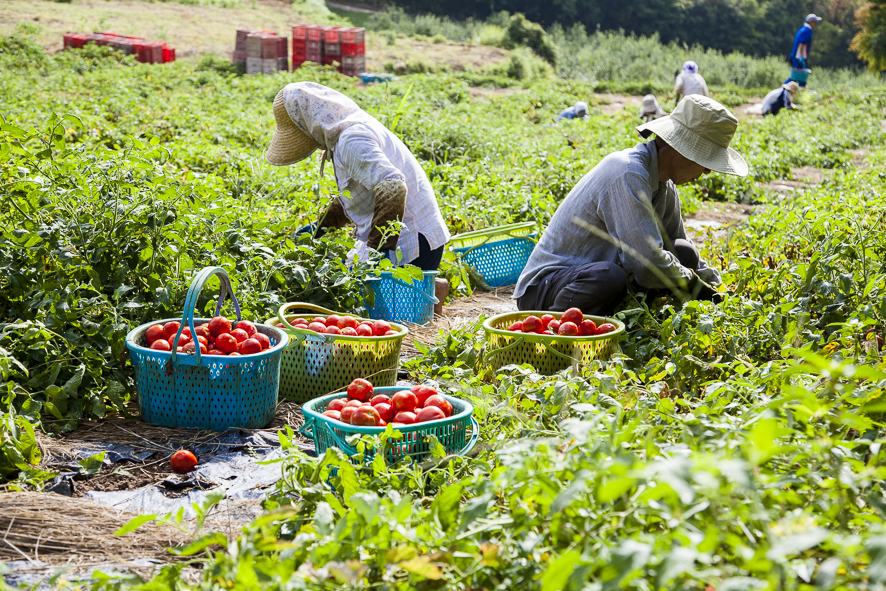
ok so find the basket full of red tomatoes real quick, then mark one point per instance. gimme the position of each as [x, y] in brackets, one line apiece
[413, 413]
[550, 341]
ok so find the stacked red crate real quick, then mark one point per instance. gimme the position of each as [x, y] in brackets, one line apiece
[149, 52]
[332, 46]
[353, 49]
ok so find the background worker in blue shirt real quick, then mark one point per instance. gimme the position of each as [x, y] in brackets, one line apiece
[802, 45]
[578, 111]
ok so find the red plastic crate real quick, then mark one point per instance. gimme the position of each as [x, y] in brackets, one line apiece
[332, 34]
[353, 48]
[299, 32]
[281, 47]
[314, 33]
[168, 54]
[353, 35]
[269, 47]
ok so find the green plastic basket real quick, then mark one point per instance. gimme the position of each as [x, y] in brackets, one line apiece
[480, 237]
[451, 432]
[317, 364]
[548, 354]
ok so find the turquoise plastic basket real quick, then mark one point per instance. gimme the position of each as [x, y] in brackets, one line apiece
[800, 74]
[206, 391]
[398, 301]
[452, 432]
[499, 254]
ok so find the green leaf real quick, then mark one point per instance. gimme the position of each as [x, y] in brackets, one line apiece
[423, 567]
[559, 570]
[134, 524]
[92, 464]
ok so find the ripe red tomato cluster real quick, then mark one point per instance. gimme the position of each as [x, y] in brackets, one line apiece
[363, 408]
[343, 325]
[216, 337]
[571, 324]
[183, 461]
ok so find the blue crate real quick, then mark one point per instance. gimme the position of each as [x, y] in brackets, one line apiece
[398, 301]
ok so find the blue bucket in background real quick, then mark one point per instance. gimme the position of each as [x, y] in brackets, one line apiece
[398, 301]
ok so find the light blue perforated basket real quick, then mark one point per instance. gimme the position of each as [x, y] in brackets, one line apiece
[398, 301]
[499, 254]
[199, 391]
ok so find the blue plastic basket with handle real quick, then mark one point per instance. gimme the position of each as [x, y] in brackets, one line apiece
[398, 301]
[451, 432]
[200, 391]
[800, 74]
[499, 254]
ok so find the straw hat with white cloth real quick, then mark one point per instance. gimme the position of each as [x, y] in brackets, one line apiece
[700, 129]
[650, 109]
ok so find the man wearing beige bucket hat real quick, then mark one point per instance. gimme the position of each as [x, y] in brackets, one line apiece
[379, 179]
[780, 98]
[621, 224]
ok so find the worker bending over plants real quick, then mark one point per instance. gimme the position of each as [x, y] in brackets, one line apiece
[379, 179]
[621, 224]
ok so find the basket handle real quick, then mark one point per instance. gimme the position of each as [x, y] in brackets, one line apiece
[197, 284]
[339, 442]
[302, 332]
[517, 341]
[475, 435]
[558, 353]
[430, 298]
[308, 428]
[488, 238]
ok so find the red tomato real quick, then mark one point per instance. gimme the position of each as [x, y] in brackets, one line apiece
[299, 321]
[572, 315]
[203, 330]
[317, 327]
[405, 417]
[332, 330]
[239, 334]
[226, 343]
[219, 325]
[247, 326]
[249, 347]
[263, 339]
[233, 353]
[422, 393]
[186, 332]
[332, 320]
[380, 328]
[336, 404]
[347, 413]
[192, 348]
[382, 423]
[431, 413]
[354, 403]
[170, 329]
[348, 331]
[516, 326]
[380, 399]
[554, 326]
[531, 323]
[390, 333]
[202, 340]
[214, 352]
[153, 333]
[161, 345]
[360, 389]
[183, 461]
[333, 414]
[385, 411]
[404, 400]
[546, 320]
[441, 403]
[364, 330]
[568, 329]
[347, 322]
[366, 416]
[319, 319]
[604, 328]
[588, 328]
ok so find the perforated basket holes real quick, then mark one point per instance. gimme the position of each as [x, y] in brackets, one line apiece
[221, 393]
[397, 302]
[541, 357]
[311, 369]
[500, 262]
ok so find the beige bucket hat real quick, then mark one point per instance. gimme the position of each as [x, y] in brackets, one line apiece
[289, 144]
[700, 129]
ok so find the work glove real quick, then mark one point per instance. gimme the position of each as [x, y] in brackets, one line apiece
[309, 229]
[334, 216]
[699, 290]
[390, 205]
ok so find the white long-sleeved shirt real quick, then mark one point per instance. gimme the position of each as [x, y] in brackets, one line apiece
[689, 83]
[367, 154]
[623, 198]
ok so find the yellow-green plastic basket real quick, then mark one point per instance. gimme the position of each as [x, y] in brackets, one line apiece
[547, 353]
[314, 365]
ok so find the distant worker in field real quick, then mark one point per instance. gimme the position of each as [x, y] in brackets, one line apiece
[780, 98]
[689, 81]
[382, 179]
[578, 111]
[650, 110]
[802, 45]
[621, 224]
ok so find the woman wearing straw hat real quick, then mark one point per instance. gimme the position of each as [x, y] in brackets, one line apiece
[779, 99]
[380, 180]
[621, 224]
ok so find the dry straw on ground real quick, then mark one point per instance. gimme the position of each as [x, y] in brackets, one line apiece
[50, 531]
